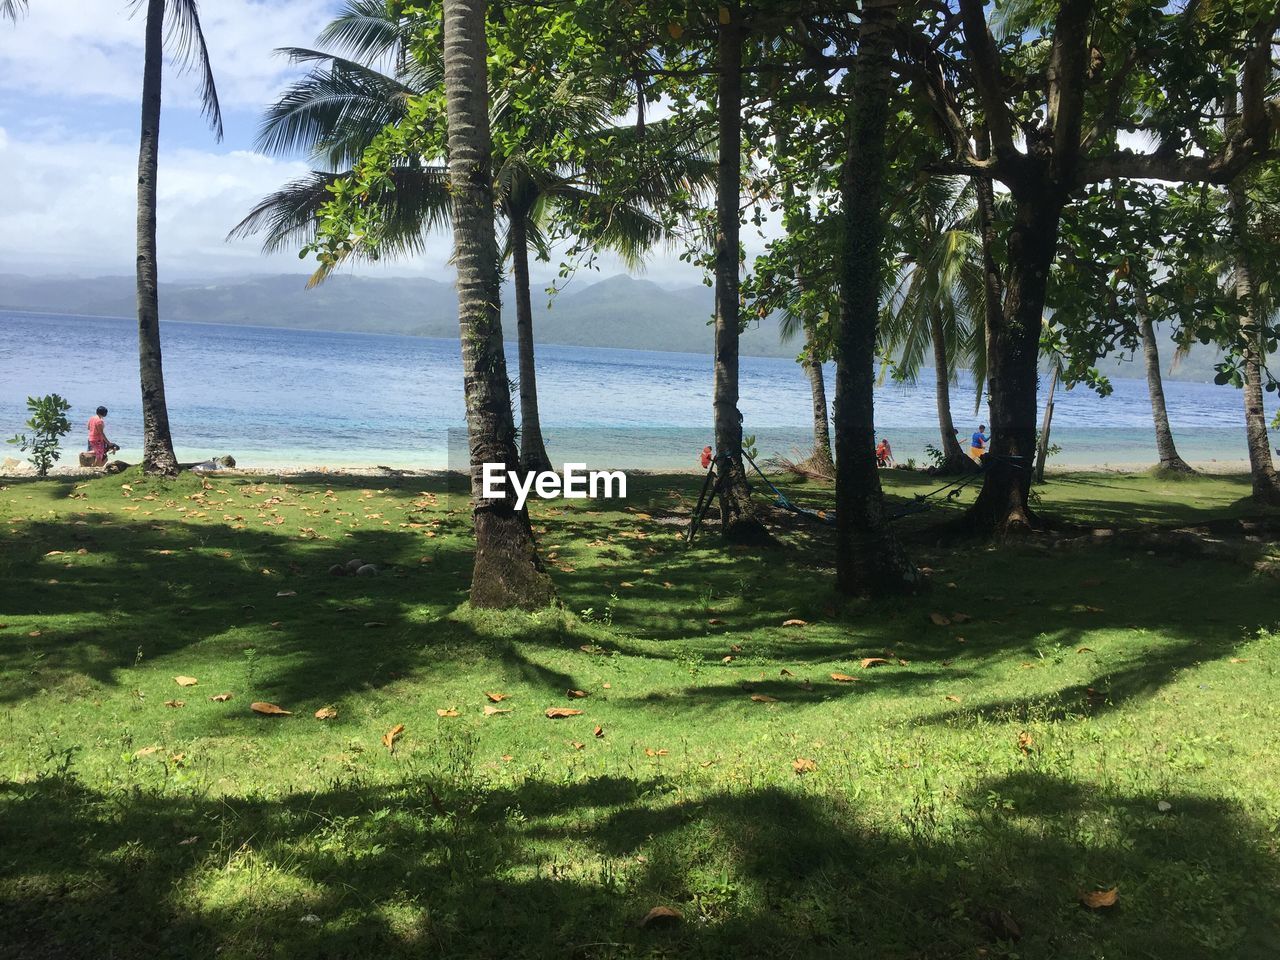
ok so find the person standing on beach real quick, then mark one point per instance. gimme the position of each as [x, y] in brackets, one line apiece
[99, 445]
[978, 443]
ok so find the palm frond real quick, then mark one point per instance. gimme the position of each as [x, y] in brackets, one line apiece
[185, 44]
[12, 9]
[365, 30]
[334, 112]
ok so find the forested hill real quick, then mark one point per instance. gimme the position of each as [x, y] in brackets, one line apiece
[619, 311]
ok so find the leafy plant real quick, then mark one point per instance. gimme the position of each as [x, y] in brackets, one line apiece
[48, 425]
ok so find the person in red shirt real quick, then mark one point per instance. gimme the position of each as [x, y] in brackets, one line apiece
[99, 445]
[706, 457]
[884, 453]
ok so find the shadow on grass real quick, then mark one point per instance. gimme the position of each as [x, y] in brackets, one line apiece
[438, 864]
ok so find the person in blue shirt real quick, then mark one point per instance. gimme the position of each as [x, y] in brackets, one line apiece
[978, 443]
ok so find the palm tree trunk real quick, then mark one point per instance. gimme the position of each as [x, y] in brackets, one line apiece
[157, 443]
[1266, 482]
[738, 518]
[1046, 424]
[869, 558]
[1170, 460]
[508, 571]
[954, 459]
[821, 458]
[533, 452]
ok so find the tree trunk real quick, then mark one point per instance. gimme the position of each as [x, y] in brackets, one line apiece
[157, 443]
[533, 452]
[508, 571]
[1046, 425]
[821, 458]
[1266, 482]
[954, 459]
[739, 521]
[1012, 365]
[1170, 461]
[869, 558]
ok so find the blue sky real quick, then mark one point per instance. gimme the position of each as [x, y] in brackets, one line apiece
[70, 81]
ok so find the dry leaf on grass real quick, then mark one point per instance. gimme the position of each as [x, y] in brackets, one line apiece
[803, 765]
[795, 623]
[650, 752]
[185, 681]
[784, 672]
[146, 751]
[661, 916]
[575, 694]
[952, 698]
[559, 713]
[497, 697]
[391, 736]
[220, 697]
[577, 744]
[175, 703]
[1084, 649]
[1100, 899]
[941, 619]
[268, 709]
[450, 712]
[599, 732]
[869, 662]
[326, 713]
[706, 763]
[1239, 660]
[494, 711]
[715, 622]
[960, 618]
[728, 658]
[287, 593]
[1024, 742]
[763, 698]
[843, 678]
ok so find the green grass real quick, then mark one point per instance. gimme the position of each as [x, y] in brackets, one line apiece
[131, 828]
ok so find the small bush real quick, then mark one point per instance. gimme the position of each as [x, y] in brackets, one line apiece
[48, 425]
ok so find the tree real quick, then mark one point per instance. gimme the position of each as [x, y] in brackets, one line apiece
[937, 301]
[179, 21]
[508, 571]
[1040, 112]
[869, 558]
[557, 172]
[12, 9]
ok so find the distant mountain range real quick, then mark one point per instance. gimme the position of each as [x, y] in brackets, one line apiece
[619, 311]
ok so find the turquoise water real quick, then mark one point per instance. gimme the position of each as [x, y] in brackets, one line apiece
[275, 397]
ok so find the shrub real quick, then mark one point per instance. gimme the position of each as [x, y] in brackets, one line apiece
[48, 425]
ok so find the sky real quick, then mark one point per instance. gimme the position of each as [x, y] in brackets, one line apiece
[70, 82]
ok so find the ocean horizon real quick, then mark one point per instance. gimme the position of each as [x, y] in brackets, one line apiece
[275, 398]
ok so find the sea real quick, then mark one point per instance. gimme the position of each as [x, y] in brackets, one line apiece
[276, 398]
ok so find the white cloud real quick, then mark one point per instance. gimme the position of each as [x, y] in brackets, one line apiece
[92, 49]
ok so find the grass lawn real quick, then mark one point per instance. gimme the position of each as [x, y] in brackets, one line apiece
[1101, 715]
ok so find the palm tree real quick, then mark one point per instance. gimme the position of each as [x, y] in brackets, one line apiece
[508, 571]
[937, 297]
[337, 110]
[179, 21]
[12, 9]
[1170, 460]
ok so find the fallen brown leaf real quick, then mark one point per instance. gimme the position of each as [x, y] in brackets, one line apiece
[1100, 899]
[940, 619]
[287, 593]
[869, 662]
[661, 917]
[1024, 742]
[559, 713]
[146, 751]
[763, 698]
[960, 618]
[450, 712]
[575, 694]
[185, 681]
[577, 744]
[1239, 660]
[784, 672]
[1084, 649]
[727, 659]
[706, 763]
[843, 678]
[326, 713]
[715, 622]
[599, 731]
[391, 736]
[494, 711]
[650, 752]
[497, 697]
[175, 703]
[803, 765]
[220, 697]
[795, 623]
[952, 698]
[269, 709]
